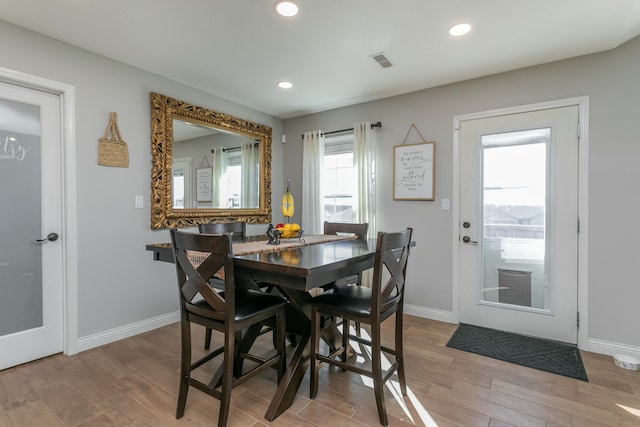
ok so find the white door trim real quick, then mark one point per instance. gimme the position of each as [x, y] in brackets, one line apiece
[66, 93]
[583, 202]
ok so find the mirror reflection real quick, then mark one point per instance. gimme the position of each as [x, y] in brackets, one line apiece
[207, 166]
[213, 168]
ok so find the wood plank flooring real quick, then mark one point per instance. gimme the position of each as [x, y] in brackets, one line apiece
[134, 382]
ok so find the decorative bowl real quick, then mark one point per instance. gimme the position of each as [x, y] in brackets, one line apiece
[292, 234]
[626, 362]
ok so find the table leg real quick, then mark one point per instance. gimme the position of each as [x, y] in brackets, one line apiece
[290, 383]
[299, 363]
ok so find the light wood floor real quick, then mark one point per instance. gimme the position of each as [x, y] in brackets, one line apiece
[134, 382]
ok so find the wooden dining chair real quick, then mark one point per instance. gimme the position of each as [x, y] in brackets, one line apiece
[370, 306]
[237, 229]
[227, 312]
[360, 230]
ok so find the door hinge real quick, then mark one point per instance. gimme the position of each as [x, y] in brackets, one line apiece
[577, 319]
[579, 132]
[578, 225]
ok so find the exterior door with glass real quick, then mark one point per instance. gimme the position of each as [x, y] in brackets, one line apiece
[31, 286]
[518, 250]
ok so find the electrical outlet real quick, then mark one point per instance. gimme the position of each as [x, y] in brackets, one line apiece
[139, 202]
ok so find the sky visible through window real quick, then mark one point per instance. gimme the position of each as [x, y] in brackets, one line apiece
[515, 175]
[339, 182]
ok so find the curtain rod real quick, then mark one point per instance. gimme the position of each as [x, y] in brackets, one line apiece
[377, 124]
[255, 144]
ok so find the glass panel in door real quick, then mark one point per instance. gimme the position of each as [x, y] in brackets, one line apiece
[20, 216]
[514, 195]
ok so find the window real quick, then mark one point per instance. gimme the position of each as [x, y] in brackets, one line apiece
[339, 179]
[232, 180]
[181, 183]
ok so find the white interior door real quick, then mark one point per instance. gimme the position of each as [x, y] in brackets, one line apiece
[518, 249]
[31, 285]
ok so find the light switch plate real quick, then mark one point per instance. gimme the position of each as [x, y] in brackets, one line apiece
[139, 202]
[445, 204]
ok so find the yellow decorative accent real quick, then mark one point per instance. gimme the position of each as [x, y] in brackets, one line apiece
[287, 202]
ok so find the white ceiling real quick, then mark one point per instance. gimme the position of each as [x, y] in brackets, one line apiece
[240, 49]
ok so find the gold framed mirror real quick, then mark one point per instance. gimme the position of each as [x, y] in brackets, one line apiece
[207, 166]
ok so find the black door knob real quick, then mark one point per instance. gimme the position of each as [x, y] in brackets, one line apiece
[51, 237]
[467, 239]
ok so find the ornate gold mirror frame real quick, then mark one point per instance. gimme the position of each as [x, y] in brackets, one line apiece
[164, 111]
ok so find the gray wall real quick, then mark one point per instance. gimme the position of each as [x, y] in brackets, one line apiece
[611, 80]
[118, 283]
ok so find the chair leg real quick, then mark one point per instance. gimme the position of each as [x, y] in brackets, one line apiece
[357, 323]
[400, 353]
[237, 360]
[207, 339]
[227, 379]
[280, 333]
[315, 348]
[376, 365]
[291, 337]
[185, 367]
[345, 341]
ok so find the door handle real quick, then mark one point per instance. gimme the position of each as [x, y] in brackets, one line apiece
[467, 239]
[51, 237]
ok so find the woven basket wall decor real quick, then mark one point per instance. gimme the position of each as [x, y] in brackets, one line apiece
[112, 150]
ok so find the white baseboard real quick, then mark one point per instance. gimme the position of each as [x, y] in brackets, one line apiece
[429, 313]
[594, 345]
[107, 337]
[611, 348]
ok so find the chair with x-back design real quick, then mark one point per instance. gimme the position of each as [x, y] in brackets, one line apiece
[228, 311]
[369, 306]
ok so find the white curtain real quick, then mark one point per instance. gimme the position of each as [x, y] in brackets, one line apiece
[364, 159]
[220, 188]
[312, 160]
[249, 161]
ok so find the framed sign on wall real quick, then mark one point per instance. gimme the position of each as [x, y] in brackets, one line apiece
[413, 171]
[204, 182]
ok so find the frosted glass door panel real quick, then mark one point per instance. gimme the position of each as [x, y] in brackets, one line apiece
[20, 218]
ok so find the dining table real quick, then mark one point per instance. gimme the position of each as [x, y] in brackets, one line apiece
[296, 268]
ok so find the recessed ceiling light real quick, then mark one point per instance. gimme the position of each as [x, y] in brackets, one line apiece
[286, 8]
[285, 85]
[460, 29]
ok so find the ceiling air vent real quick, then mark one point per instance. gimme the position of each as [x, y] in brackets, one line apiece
[382, 60]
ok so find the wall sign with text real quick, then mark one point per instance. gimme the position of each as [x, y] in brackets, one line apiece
[204, 182]
[413, 171]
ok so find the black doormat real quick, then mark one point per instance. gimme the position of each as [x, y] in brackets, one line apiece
[549, 356]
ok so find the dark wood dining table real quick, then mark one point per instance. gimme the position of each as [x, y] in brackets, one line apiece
[296, 272]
